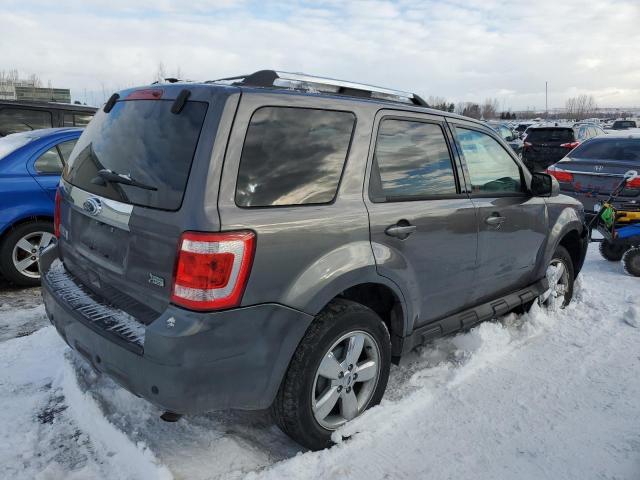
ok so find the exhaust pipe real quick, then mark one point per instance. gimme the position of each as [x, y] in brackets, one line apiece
[170, 417]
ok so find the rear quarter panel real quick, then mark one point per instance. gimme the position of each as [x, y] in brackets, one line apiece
[305, 255]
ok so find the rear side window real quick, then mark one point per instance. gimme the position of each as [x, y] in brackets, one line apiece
[76, 120]
[49, 162]
[610, 149]
[411, 161]
[66, 148]
[293, 156]
[13, 120]
[550, 135]
[143, 141]
[491, 168]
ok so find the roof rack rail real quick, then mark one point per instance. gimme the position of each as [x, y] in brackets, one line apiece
[301, 81]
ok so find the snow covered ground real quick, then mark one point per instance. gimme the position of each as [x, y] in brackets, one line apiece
[544, 395]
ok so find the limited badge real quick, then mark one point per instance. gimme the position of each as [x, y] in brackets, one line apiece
[156, 280]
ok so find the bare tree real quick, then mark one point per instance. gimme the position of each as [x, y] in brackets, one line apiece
[490, 108]
[581, 107]
[469, 109]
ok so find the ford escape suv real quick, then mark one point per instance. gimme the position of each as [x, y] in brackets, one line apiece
[277, 240]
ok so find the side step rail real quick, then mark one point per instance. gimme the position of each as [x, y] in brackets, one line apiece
[467, 318]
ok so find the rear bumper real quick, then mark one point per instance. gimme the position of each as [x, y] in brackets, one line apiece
[194, 363]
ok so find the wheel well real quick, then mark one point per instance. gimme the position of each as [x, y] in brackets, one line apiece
[382, 300]
[573, 243]
[22, 221]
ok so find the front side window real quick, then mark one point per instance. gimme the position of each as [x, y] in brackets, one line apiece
[411, 161]
[293, 156]
[13, 120]
[49, 162]
[491, 168]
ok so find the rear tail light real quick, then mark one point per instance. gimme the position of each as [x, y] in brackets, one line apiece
[146, 94]
[560, 175]
[571, 145]
[212, 269]
[635, 183]
[56, 215]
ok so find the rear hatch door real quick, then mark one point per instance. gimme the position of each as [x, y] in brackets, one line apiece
[545, 146]
[123, 189]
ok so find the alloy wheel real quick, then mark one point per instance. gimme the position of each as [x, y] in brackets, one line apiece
[558, 279]
[346, 379]
[26, 253]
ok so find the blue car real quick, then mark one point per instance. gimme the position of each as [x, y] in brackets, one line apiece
[30, 168]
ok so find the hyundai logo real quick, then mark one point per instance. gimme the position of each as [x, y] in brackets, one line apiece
[92, 206]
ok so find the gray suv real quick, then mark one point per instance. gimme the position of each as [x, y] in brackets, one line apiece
[277, 240]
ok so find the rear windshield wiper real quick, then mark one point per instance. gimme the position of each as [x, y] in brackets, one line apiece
[114, 177]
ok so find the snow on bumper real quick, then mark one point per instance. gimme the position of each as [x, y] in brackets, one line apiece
[190, 362]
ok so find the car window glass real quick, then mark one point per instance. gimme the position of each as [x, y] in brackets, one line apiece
[66, 148]
[609, 149]
[76, 120]
[491, 168]
[411, 160]
[550, 135]
[13, 120]
[293, 156]
[49, 162]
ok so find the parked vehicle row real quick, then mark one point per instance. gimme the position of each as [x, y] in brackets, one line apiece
[277, 240]
[21, 116]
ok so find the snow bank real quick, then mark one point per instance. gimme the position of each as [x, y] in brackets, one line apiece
[543, 395]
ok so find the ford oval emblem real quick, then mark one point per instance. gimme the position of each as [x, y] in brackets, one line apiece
[92, 206]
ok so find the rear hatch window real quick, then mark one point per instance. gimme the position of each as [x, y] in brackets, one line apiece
[623, 149]
[550, 135]
[140, 140]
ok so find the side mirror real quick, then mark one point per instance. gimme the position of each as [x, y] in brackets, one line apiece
[544, 185]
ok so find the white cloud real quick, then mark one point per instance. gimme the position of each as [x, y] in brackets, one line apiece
[462, 50]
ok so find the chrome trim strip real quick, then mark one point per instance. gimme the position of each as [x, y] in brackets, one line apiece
[114, 213]
[596, 174]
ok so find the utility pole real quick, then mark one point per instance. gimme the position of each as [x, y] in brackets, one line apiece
[546, 99]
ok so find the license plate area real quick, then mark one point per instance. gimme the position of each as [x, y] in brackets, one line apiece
[97, 239]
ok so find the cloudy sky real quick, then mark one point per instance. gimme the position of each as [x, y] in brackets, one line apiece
[464, 50]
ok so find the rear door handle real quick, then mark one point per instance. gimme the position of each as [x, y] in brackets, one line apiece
[400, 231]
[494, 220]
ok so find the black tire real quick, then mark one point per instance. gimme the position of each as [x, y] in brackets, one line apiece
[631, 261]
[292, 408]
[612, 252]
[562, 255]
[7, 266]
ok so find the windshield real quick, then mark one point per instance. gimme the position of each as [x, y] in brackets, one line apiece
[144, 141]
[11, 143]
[622, 149]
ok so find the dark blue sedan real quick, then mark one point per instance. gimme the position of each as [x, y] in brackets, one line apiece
[30, 168]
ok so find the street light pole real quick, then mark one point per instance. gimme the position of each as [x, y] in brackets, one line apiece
[546, 99]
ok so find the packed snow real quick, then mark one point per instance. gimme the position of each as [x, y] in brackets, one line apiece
[543, 395]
